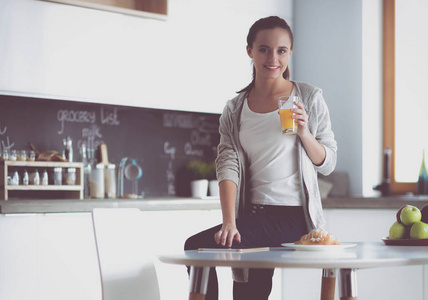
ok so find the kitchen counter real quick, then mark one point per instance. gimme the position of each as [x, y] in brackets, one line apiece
[87, 205]
[391, 202]
[175, 203]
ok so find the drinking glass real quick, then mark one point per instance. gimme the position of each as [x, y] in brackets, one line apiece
[285, 104]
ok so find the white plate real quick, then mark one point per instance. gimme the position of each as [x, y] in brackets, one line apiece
[318, 247]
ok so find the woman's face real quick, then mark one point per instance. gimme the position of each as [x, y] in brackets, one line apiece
[270, 52]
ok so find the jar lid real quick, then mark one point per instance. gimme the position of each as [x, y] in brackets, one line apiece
[111, 166]
[71, 170]
[57, 170]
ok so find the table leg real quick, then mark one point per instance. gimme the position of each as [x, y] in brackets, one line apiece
[198, 282]
[328, 284]
[348, 284]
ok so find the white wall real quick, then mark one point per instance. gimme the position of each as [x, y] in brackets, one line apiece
[335, 50]
[195, 60]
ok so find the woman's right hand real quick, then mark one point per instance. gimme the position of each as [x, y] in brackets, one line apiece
[227, 234]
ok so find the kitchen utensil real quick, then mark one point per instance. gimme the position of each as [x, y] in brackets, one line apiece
[103, 155]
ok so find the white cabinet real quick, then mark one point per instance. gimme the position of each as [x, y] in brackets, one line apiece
[54, 257]
[47, 257]
[361, 225]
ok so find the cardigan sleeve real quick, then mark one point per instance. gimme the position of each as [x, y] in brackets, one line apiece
[320, 126]
[227, 165]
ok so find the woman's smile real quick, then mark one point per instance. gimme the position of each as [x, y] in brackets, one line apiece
[273, 67]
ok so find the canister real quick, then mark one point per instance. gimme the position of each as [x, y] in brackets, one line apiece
[70, 176]
[96, 182]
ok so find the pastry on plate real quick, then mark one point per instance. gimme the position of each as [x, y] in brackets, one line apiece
[318, 236]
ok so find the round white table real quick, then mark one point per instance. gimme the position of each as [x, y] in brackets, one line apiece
[346, 262]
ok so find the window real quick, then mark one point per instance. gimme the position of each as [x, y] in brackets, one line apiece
[405, 100]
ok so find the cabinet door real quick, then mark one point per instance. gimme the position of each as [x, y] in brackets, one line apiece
[359, 225]
[370, 225]
[48, 257]
[167, 232]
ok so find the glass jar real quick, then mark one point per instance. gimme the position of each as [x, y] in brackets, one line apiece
[70, 176]
[110, 181]
[5, 154]
[96, 182]
[13, 155]
[22, 155]
[31, 156]
[57, 176]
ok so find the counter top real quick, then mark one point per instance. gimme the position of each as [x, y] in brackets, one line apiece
[87, 205]
[391, 202]
[175, 203]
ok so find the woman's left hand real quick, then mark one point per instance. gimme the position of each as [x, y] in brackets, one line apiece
[301, 118]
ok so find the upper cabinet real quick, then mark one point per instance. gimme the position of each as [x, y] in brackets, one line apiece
[155, 9]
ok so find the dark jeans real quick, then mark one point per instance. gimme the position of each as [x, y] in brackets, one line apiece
[263, 226]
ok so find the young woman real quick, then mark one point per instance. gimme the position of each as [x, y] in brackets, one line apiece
[268, 181]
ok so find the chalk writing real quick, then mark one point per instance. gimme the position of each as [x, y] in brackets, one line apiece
[74, 116]
[201, 139]
[92, 135]
[173, 120]
[169, 150]
[170, 179]
[189, 150]
[6, 145]
[109, 117]
[2, 131]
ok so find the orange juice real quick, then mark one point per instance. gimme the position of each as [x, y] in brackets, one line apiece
[288, 125]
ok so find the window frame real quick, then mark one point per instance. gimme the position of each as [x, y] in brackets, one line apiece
[389, 95]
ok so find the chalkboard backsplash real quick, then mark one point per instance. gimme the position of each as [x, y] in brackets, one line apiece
[161, 141]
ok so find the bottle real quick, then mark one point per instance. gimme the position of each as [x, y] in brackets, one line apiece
[25, 178]
[57, 176]
[422, 184]
[68, 151]
[15, 178]
[45, 179]
[36, 178]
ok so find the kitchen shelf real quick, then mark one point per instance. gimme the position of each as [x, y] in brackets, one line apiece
[153, 9]
[8, 191]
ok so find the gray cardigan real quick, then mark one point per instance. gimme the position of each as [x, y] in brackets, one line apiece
[232, 164]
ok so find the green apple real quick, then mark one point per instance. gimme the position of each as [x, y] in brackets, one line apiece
[399, 213]
[410, 215]
[419, 230]
[397, 231]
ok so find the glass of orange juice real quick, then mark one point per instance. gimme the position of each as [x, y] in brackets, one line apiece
[288, 124]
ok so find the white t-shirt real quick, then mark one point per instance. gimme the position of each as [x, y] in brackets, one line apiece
[272, 156]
